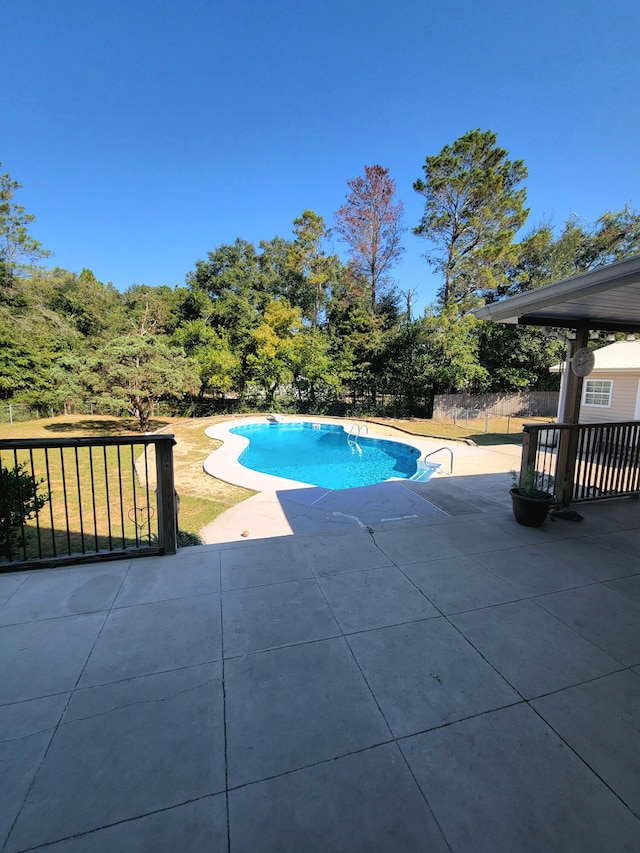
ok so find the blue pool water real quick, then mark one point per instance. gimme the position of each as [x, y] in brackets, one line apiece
[324, 455]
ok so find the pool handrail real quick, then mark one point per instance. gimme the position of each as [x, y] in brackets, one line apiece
[356, 430]
[449, 451]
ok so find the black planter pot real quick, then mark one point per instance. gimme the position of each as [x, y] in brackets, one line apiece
[532, 512]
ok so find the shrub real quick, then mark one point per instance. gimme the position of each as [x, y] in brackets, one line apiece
[186, 539]
[532, 483]
[19, 501]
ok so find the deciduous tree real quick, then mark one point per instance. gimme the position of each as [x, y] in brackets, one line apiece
[150, 309]
[24, 362]
[359, 335]
[449, 361]
[518, 358]
[218, 364]
[315, 374]
[237, 287]
[371, 224]
[93, 308]
[269, 361]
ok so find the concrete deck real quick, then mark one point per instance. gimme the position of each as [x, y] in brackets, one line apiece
[453, 682]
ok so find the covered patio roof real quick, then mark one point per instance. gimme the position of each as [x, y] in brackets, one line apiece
[606, 298]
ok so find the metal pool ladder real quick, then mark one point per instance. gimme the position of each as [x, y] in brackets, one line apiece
[354, 432]
[449, 451]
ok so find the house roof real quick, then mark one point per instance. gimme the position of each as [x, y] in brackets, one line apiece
[606, 298]
[623, 356]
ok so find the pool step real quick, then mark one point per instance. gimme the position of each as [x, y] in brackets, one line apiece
[425, 471]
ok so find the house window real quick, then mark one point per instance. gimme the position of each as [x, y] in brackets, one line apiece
[597, 392]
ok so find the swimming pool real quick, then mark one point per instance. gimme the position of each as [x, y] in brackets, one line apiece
[325, 455]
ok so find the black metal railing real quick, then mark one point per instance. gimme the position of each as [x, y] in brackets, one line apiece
[67, 500]
[585, 461]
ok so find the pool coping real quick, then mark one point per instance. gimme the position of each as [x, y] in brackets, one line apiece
[223, 462]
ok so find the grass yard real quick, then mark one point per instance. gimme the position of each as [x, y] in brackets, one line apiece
[500, 430]
[202, 498]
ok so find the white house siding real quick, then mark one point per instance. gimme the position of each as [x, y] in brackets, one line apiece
[623, 401]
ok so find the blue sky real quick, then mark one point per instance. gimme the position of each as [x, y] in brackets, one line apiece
[148, 132]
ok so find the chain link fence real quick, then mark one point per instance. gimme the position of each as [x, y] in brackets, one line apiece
[488, 421]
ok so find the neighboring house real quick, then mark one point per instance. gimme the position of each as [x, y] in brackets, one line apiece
[611, 392]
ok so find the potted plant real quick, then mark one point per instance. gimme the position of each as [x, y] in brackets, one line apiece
[532, 496]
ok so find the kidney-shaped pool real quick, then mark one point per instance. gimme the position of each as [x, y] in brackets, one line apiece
[325, 455]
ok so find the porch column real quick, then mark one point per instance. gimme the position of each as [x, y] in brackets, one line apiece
[573, 384]
[568, 445]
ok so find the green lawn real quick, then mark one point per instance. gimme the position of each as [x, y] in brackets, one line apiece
[499, 430]
[202, 497]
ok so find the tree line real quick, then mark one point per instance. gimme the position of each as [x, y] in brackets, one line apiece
[286, 323]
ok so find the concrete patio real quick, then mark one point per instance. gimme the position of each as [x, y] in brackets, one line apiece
[453, 682]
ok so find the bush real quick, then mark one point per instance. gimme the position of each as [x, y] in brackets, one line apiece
[185, 539]
[19, 501]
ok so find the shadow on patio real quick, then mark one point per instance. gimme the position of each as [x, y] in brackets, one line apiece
[314, 509]
[465, 684]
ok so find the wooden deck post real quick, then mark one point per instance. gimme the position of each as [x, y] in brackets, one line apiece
[529, 450]
[568, 446]
[166, 495]
[566, 464]
[574, 383]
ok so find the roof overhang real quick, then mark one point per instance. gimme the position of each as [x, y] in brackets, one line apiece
[606, 298]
